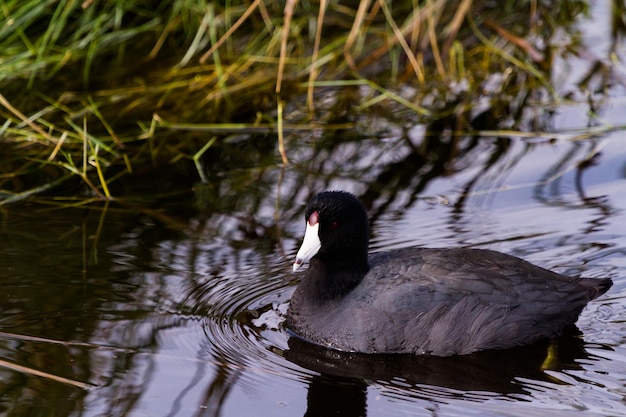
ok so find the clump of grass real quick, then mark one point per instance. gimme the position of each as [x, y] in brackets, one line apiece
[96, 91]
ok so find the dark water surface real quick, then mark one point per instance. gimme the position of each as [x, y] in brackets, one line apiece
[178, 311]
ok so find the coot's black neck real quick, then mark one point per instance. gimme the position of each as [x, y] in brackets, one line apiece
[331, 279]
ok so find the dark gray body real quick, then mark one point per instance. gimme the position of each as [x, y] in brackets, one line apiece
[441, 302]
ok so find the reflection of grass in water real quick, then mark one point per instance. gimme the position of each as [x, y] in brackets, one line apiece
[98, 90]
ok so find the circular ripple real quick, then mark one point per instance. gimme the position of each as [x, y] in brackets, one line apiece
[243, 307]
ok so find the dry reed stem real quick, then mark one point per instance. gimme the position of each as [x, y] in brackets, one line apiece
[419, 73]
[281, 136]
[419, 15]
[57, 148]
[288, 14]
[25, 119]
[356, 24]
[230, 31]
[314, 63]
[455, 25]
[432, 36]
[46, 375]
[516, 40]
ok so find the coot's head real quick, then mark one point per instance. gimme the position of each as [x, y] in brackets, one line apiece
[337, 231]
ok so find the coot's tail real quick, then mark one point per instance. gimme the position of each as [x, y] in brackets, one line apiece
[596, 286]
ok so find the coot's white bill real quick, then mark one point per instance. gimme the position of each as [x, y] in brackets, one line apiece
[310, 245]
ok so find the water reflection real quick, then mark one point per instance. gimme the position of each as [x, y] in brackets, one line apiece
[341, 385]
[336, 397]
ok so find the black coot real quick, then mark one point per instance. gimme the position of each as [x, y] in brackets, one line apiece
[417, 300]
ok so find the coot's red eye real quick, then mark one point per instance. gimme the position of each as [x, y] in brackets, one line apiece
[333, 225]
